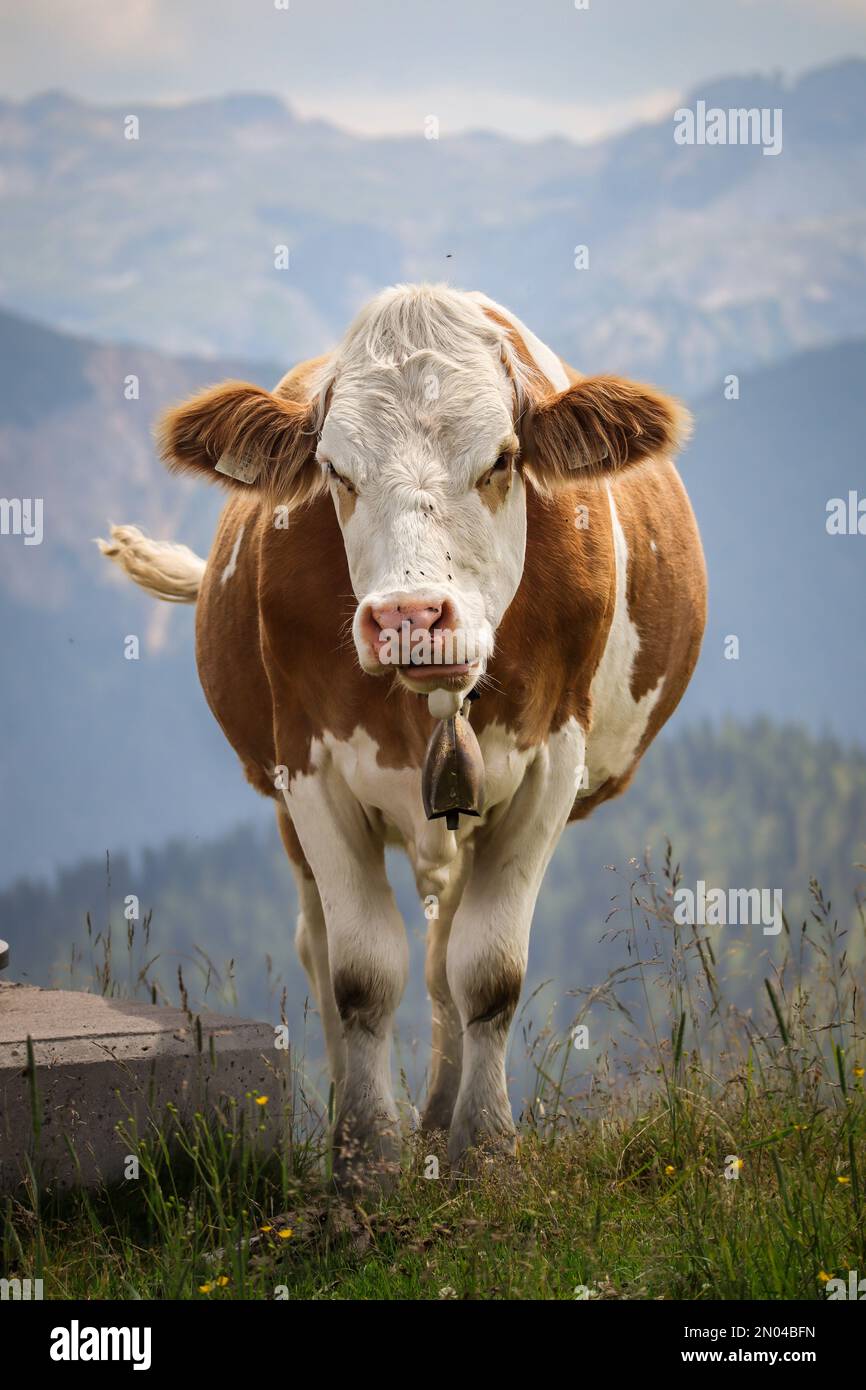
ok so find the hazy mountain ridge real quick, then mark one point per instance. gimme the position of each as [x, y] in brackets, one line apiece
[703, 260]
[95, 731]
[69, 434]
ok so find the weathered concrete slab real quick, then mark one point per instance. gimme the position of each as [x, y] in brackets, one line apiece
[102, 1061]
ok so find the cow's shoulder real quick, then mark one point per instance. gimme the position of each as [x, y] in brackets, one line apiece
[666, 584]
[655, 638]
[551, 639]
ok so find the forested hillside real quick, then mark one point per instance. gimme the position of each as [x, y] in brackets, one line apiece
[745, 806]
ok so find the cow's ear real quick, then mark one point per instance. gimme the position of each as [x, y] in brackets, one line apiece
[241, 435]
[599, 423]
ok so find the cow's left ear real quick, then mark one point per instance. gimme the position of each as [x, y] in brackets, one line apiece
[241, 435]
[599, 423]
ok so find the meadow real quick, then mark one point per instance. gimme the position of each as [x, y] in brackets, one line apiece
[691, 1150]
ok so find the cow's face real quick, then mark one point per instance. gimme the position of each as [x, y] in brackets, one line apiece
[421, 462]
[426, 428]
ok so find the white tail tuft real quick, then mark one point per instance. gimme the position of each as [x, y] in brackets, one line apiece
[167, 571]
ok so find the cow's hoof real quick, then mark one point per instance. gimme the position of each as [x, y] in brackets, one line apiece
[474, 1147]
[438, 1113]
[367, 1162]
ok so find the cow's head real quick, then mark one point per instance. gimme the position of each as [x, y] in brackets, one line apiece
[427, 425]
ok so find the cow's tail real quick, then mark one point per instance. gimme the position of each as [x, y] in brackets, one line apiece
[163, 569]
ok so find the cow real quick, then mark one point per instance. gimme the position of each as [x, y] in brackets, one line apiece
[442, 475]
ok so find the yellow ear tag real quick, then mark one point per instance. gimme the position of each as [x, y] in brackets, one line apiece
[244, 470]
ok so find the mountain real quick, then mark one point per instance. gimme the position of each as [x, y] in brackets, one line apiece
[94, 763]
[761, 471]
[93, 758]
[703, 259]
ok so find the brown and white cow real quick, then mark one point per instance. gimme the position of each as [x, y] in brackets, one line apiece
[442, 472]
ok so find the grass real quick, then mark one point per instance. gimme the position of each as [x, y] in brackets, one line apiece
[697, 1151]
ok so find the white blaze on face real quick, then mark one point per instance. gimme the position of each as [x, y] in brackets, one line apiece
[421, 408]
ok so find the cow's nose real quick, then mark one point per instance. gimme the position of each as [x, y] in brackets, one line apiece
[419, 616]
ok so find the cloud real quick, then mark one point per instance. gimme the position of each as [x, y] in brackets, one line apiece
[381, 67]
[105, 29]
[521, 115]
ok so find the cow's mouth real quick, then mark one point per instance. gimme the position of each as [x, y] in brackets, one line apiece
[437, 675]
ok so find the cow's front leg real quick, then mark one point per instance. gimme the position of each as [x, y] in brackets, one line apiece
[489, 943]
[368, 956]
[447, 1029]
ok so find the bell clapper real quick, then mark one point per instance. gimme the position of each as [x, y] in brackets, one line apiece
[444, 704]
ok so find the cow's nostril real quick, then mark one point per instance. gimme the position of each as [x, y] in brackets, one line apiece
[395, 615]
[423, 617]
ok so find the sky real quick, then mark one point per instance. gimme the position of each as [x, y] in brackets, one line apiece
[528, 68]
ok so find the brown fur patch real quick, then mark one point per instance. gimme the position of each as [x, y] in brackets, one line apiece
[666, 593]
[552, 637]
[494, 486]
[494, 998]
[666, 588]
[534, 384]
[346, 501]
[362, 1000]
[600, 423]
[275, 435]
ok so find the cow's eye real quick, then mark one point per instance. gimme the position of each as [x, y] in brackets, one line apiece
[332, 473]
[502, 465]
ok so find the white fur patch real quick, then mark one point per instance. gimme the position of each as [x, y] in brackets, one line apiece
[233, 558]
[392, 796]
[421, 408]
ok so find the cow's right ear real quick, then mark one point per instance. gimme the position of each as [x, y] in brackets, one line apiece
[242, 435]
[597, 424]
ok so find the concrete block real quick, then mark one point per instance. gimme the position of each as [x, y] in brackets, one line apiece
[100, 1060]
